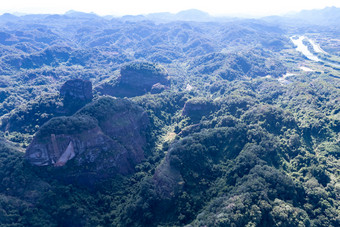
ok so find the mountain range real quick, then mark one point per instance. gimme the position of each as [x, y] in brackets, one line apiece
[170, 120]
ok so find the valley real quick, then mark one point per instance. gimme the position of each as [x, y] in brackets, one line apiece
[164, 120]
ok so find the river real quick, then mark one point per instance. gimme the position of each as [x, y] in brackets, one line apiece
[301, 47]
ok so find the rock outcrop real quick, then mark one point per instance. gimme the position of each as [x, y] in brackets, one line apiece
[158, 88]
[105, 137]
[76, 93]
[168, 180]
[137, 79]
[197, 107]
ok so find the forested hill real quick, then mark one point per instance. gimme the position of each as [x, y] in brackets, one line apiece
[170, 120]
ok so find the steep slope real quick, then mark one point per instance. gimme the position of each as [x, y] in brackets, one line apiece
[105, 137]
[246, 135]
[137, 79]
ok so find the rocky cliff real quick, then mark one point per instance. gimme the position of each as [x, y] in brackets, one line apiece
[197, 107]
[76, 93]
[137, 79]
[105, 137]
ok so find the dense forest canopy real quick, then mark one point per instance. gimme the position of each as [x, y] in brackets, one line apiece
[164, 121]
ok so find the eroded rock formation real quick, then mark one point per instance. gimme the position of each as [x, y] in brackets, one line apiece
[76, 93]
[107, 136]
[137, 79]
[77, 89]
[197, 107]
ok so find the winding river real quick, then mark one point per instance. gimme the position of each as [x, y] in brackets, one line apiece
[301, 47]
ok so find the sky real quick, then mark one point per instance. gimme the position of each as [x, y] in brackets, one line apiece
[135, 7]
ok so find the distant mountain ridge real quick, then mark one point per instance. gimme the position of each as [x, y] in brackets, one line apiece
[326, 16]
[186, 15]
[189, 123]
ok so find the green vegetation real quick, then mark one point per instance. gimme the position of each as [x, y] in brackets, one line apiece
[103, 108]
[243, 136]
[67, 125]
[144, 68]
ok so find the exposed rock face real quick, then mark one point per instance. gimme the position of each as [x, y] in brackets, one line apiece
[76, 93]
[105, 137]
[77, 89]
[168, 180]
[197, 107]
[137, 79]
[158, 88]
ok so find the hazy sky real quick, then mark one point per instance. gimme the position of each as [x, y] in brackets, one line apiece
[123, 7]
